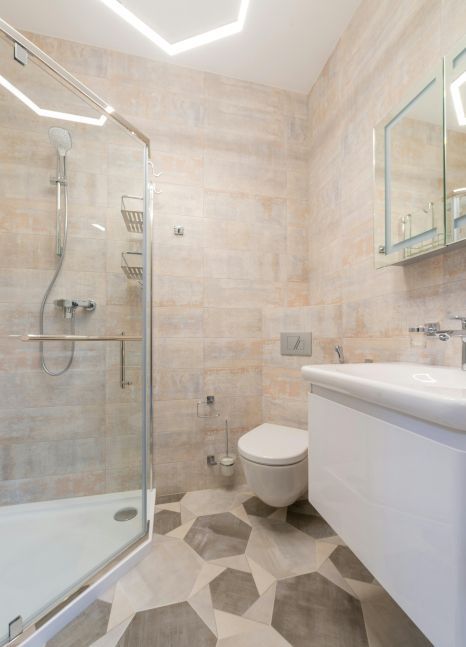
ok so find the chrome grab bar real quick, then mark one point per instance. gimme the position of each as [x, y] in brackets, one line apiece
[123, 381]
[28, 338]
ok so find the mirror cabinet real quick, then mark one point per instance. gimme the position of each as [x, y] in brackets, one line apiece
[420, 168]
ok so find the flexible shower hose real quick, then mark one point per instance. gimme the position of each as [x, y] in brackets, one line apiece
[47, 294]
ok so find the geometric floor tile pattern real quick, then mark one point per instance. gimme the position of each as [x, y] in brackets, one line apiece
[226, 570]
[233, 591]
[176, 624]
[218, 535]
[310, 610]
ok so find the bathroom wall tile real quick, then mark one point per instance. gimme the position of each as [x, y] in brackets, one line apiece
[248, 95]
[34, 424]
[178, 322]
[225, 293]
[234, 381]
[247, 208]
[123, 419]
[174, 260]
[177, 447]
[174, 291]
[29, 490]
[175, 415]
[232, 322]
[179, 353]
[297, 294]
[123, 451]
[34, 460]
[282, 411]
[178, 200]
[249, 177]
[235, 117]
[178, 384]
[179, 169]
[232, 353]
[278, 382]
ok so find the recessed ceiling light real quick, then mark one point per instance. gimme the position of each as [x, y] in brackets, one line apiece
[97, 226]
[457, 99]
[183, 45]
[53, 114]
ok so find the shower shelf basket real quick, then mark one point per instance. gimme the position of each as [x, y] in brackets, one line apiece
[132, 212]
[131, 264]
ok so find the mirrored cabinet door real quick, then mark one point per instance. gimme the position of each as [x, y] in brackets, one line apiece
[409, 176]
[455, 82]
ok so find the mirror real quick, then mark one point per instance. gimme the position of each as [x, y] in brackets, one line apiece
[409, 176]
[455, 81]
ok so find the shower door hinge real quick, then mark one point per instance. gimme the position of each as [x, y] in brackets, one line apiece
[20, 54]
[15, 628]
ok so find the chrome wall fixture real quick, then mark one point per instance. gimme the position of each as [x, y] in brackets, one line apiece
[434, 330]
[123, 381]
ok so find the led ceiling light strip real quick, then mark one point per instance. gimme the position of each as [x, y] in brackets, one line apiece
[457, 100]
[53, 114]
[183, 45]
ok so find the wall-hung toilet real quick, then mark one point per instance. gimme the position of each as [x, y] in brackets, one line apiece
[274, 459]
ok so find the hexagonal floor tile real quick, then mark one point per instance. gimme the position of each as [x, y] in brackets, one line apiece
[90, 625]
[258, 508]
[349, 565]
[218, 535]
[304, 517]
[176, 624]
[166, 576]
[166, 521]
[310, 610]
[233, 591]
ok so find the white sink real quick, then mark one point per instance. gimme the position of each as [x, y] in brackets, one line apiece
[433, 393]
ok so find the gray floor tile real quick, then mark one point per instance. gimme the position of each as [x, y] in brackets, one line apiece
[303, 507]
[310, 524]
[169, 498]
[310, 611]
[177, 625]
[218, 535]
[233, 591]
[86, 628]
[258, 508]
[349, 565]
[165, 521]
[386, 623]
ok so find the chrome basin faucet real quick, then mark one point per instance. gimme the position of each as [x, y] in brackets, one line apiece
[434, 330]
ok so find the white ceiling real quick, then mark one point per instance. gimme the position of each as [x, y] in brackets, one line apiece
[284, 43]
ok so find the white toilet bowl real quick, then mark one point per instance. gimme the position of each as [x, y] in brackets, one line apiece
[274, 459]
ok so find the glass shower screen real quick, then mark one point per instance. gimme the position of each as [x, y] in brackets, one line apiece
[74, 338]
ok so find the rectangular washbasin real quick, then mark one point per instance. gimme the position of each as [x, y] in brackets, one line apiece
[436, 394]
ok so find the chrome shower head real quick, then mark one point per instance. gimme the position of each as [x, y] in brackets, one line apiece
[61, 139]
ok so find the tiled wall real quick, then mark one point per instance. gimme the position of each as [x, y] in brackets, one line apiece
[234, 163]
[239, 163]
[387, 47]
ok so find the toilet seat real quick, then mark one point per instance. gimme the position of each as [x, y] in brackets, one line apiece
[271, 444]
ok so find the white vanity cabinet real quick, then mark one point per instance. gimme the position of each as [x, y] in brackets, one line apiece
[393, 485]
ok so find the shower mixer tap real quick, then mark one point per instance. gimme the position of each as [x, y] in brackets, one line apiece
[70, 305]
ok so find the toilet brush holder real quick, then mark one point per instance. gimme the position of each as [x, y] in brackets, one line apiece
[227, 466]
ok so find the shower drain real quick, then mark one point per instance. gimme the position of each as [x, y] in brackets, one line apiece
[125, 514]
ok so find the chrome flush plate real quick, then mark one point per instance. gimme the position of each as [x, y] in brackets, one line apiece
[296, 343]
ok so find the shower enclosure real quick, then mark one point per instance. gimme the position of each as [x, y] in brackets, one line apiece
[75, 337]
